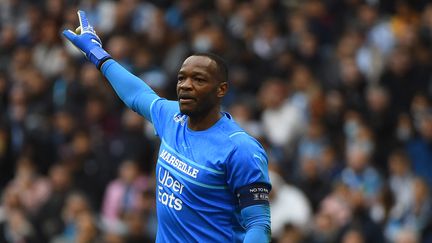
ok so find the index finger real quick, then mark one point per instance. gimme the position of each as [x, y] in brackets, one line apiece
[83, 20]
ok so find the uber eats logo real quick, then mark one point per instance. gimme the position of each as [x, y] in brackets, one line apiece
[166, 181]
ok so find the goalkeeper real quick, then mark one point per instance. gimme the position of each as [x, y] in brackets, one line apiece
[212, 177]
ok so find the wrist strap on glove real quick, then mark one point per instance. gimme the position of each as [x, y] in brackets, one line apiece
[98, 56]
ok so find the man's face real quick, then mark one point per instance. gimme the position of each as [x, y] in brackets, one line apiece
[199, 89]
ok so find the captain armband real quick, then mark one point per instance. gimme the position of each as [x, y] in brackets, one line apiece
[253, 194]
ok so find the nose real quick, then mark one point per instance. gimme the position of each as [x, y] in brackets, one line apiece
[186, 84]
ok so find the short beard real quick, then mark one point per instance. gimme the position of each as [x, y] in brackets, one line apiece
[200, 112]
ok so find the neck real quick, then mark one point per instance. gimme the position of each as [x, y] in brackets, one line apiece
[203, 122]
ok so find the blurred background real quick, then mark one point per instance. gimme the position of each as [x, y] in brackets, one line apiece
[338, 91]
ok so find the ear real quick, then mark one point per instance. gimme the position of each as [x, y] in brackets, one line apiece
[222, 89]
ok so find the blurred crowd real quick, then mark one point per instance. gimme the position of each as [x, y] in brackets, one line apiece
[338, 91]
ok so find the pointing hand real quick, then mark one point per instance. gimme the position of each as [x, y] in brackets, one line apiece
[85, 39]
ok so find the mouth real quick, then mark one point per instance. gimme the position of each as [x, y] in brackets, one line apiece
[185, 99]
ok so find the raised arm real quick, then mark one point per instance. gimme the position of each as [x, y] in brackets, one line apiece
[135, 93]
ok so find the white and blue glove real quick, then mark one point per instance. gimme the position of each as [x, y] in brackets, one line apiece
[85, 39]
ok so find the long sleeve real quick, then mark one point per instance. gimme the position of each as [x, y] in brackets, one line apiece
[134, 92]
[256, 220]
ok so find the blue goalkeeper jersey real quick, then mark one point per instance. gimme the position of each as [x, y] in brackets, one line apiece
[211, 184]
[198, 173]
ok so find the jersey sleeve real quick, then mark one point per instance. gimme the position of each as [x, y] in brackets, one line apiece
[256, 220]
[133, 91]
[138, 96]
[247, 166]
[162, 114]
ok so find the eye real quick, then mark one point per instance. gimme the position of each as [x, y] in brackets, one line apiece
[199, 80]
[180, 78]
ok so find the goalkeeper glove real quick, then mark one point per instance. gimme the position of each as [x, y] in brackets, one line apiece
[87, 41]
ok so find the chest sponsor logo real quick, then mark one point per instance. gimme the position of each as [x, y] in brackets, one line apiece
[165, 196]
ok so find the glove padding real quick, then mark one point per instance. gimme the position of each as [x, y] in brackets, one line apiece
[87, 41]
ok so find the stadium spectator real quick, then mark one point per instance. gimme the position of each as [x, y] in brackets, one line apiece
[122, 194]
[48, 220]
[32, 189]
[284, 194]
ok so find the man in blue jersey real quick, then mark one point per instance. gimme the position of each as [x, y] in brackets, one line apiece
[212, 177]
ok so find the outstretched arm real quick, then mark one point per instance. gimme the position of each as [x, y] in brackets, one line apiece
[136, 94]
